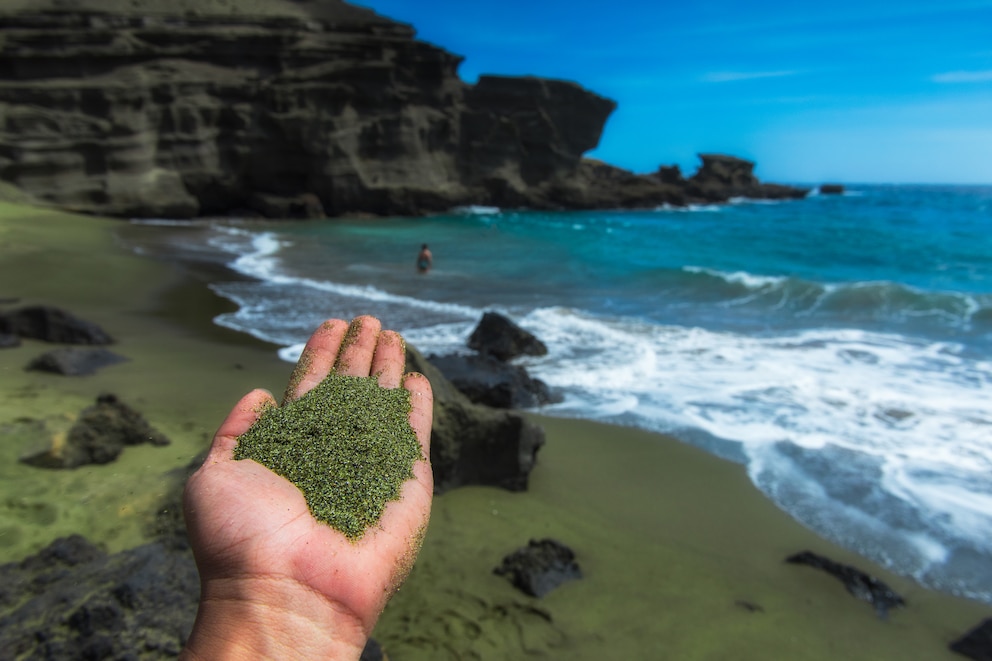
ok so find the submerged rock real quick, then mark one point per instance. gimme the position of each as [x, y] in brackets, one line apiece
[540, 567]
[861, 585]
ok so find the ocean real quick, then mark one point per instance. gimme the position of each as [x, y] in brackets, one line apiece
[839, 346]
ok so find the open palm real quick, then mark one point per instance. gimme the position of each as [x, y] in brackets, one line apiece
[257, 547]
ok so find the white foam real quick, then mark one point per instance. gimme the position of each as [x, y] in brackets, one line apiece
[476, 210]
[749, 280]
[909, 404]
[689, 208]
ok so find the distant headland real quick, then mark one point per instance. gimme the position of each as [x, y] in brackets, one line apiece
[297, 108]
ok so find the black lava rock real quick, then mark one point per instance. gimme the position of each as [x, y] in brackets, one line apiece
[501, 338]
[861, 585]
[540, 567]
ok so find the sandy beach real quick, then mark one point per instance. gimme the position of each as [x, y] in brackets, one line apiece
[682, 557]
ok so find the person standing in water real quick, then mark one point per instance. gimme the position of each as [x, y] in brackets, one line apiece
[425, 259]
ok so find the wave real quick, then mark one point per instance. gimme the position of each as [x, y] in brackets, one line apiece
[476, 210]
[854, 304]
[876, 440]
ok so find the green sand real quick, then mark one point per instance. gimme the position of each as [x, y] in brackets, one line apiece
[673, 543]
[347, 444]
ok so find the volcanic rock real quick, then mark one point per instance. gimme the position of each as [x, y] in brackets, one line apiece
[500, 337]
[51, 324]
[294, 108]
[861, 585]
[75, 361]
[540, 567]
[98, 436]
[485, 380]
[977, 643]
[474, 444]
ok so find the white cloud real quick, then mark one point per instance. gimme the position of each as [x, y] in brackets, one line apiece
[963, 77]
[731, 76]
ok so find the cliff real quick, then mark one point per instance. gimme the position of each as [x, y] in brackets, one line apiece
[286, 108]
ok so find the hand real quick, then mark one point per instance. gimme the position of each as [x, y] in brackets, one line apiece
[275, 582]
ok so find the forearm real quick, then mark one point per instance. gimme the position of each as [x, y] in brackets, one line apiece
[270, 619]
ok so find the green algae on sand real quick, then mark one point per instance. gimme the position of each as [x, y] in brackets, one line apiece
[347, 444]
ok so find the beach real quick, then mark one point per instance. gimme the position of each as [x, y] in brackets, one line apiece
[682, 556]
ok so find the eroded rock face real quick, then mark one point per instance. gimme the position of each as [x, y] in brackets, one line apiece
[294, 108]
[183, 109]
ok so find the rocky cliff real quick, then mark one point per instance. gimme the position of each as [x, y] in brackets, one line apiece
[286, 108]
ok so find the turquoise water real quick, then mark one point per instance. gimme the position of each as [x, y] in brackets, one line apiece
[838, 346]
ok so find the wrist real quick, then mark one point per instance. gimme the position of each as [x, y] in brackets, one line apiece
[271, 618]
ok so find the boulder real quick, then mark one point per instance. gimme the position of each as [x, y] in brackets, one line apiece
[539, 567]
[75, 361]
[861, 585]
[474, 444]
[51, 324]
[977, 643]
[72, 600]
[98, 436]
[485, 380]
[722, 177]
[501, 338]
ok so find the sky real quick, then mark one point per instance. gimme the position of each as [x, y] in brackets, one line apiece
[847, 91]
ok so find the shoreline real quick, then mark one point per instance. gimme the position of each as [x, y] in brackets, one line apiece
[676, 545]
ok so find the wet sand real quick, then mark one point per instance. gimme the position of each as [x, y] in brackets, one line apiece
[682, 557]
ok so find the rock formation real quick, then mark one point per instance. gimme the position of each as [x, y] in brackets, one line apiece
[99, 435]
[539, 567]
[75, 361]
[51, 324]
[475, 444]
[859, 584]
[288, 108]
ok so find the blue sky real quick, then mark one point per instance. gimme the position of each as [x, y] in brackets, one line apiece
[848, 91]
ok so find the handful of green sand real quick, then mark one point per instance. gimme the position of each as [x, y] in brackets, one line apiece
[347, 444]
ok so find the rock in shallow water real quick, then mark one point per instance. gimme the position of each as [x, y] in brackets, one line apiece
[501, 338]
[487, 381]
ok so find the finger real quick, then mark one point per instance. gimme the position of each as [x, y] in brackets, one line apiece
[242, 416]
[317, 358]
[421, 408]
[358, 347]
[389, 359]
